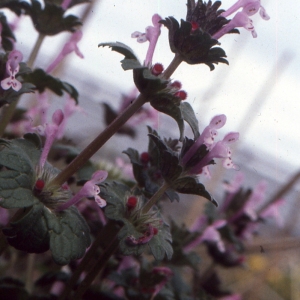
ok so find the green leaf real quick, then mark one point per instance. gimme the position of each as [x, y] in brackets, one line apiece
[17, 179]
[16, 190]
[10, 95]
[14, 5]
[170, 167]
[137, 167]
[120, 48]
[190, 185]
[129, 230]
[147, 83]
[168, 105]
[130, 64]
[114, 194]
[7, 35]
[69, 235]
[30, 233]
[50, 19]
[160, 244]
[42, 80]
[190, 117]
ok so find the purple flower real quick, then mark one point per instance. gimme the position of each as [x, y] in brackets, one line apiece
[68, 48]
[12, 68]
[220, 149]
[250, 7]
[241, 19]
[90, 189]
[50, 131]
[69, 109]
[207, 137]
[152, 33]
[210, 234]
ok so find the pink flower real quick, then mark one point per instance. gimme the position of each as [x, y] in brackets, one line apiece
[12, 68]
[90, 189]
[68, 48]
[69, 109]
[152, 34]
[209, 234]
[220, 149]
[50, 131]
[207, 137]
[241, 19]
[250, 7]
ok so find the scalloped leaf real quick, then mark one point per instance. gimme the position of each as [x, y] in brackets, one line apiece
[10, 95]
[113, 193]
[160, 244]
[190, 185]
[129, 230]
[120, 48]
[69, 235]
[29, 233]
[16, 190]
[42, 80]
[50, 19]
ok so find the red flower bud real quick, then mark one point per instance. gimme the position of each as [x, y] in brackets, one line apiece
[39, 185]
[157, 69]
[176, 84]
[195, 26]
[155, 231]
[181, 94]
[131, 202]
[145, 157]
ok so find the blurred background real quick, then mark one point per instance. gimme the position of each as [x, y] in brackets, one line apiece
[258, 92]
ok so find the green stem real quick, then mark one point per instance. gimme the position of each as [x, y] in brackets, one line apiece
[177, 60]
[99, 141]
[155, 198]
[8, 111]
[35, 50]
[100, 264]
[29, 272]
[109, 230]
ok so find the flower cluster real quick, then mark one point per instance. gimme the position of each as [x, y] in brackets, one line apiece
[210, 148]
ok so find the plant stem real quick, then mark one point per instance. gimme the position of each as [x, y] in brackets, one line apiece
[8, 111]
[113, 246]
[177, 60]
[35, 50]
[155, 197]
[99, 141]
[29, 271]
[108, 230]
[281, 192]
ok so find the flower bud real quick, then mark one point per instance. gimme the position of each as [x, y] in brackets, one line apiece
[181, 94]
[131, 202]
[157, 69]
[145, 157]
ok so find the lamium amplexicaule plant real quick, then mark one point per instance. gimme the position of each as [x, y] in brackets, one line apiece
[111, 230]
